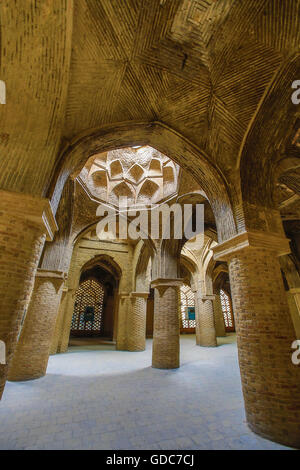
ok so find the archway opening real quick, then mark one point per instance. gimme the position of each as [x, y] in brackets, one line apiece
[94, 308]
[187, 310]
[227, 310]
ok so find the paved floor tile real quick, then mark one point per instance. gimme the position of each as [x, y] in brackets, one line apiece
[97, 398]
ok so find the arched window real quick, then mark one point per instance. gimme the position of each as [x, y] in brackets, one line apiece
[88, 309]
[227, 311]
[187, 307]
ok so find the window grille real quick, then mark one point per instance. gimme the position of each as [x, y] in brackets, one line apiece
[187, 299]
[89, 298]
[227, 310]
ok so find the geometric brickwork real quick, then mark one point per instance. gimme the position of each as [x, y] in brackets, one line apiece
[141, 174]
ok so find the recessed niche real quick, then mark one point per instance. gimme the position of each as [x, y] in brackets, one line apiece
[116, 169]
[155, 167]
[136, 172]
[122, 190]
[148, 190]
[168, 174]
[99, 179]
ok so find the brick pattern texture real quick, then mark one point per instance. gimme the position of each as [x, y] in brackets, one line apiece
[136, 324]
[21, 243]
[166, 345]
[123, 307]
[218, 316]
[131, 323]
[270, 381]
[205, 331]
[32, 351]
[58, 324]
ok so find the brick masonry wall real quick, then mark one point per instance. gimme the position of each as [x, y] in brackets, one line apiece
[270, 382]
[294, 303]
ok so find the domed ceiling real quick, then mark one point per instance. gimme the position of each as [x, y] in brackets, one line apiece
[142, 174]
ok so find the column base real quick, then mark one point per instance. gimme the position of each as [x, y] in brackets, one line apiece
[271, 437]
[171, 366]
[32, 351]
[23, 378]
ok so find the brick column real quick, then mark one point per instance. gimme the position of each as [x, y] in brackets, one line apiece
[270, 381]
[205, 326]
[59, 322]
[25, 222]
[219, 317]
[32, 351]
[293, 296]
[67, 314]
[136, 322]
[123, 307]
[166, 345]
[131, 331]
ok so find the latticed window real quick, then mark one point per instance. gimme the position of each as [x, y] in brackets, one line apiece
[187, 306]
[227, 310]
[88, 309]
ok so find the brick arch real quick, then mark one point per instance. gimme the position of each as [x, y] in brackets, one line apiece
[187, 265]
[165, 140]
[106, 262]
[265, 144]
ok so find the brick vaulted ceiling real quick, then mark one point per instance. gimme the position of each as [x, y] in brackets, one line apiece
[199, 66]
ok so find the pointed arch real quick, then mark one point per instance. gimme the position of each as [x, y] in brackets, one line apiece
[165, 140]
[122, 190]
[106, 262]
[148, 190]
[155, 167]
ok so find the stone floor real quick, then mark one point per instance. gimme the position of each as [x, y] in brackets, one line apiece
[96, 398]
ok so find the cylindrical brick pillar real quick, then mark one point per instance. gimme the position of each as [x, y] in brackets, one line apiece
[59, 323]
[123, 307]
[205, 325]
[67, 315]
[219, 317]
[25, 221]
[270, 381]
[32, 351]
[166, 344]
[131, 330]
[136, 322]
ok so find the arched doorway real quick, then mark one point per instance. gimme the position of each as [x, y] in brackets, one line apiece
[94, 308]
[222, 289]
